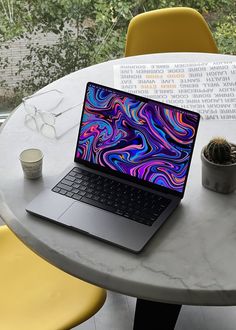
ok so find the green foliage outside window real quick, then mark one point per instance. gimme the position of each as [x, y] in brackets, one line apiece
[89, 32]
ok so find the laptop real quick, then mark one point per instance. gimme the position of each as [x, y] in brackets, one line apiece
[130, 168]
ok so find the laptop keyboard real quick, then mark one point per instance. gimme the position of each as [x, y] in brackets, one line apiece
[108, 194]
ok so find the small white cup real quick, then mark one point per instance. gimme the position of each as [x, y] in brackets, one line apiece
[31, 162]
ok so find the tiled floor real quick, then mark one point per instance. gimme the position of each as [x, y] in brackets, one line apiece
[118, 313]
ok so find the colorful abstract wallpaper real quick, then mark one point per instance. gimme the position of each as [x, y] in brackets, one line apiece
[146, 140]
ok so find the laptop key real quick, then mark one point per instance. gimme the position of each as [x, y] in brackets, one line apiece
[56, 189]
[67, 182]
[70, 178]
[78, 180]
[81, 193]
[72, 173]
[77, 197]
[75, 185]
[69, 194]
[62, 192]
[65, 187]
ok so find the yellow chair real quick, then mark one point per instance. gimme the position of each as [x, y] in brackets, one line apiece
[177, 29]
[34, 295]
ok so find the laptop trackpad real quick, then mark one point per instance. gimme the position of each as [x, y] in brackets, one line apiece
[100, 223]
[89, 218]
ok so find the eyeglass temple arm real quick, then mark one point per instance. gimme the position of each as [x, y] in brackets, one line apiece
[60, 113]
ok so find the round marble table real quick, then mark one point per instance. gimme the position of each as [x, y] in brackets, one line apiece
[191, 259]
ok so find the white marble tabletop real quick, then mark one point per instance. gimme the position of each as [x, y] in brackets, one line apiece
[191, 259]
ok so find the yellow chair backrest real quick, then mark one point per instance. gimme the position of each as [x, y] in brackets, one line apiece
[177, 29]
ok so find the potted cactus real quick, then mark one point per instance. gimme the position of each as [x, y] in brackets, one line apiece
[219, 166]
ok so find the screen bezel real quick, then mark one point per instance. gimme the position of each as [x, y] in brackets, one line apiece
[127, 176]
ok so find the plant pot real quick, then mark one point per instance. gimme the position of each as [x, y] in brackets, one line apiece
[218, 177]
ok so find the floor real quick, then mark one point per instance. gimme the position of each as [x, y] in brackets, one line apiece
[118, 313]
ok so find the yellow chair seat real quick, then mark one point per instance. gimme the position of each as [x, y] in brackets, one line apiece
[34, 295]
[178, 29]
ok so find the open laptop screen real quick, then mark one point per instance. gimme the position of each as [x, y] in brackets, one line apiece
[142, 138]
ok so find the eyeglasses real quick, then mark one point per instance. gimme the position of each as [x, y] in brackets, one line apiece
[36, 118]
[33, 110]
